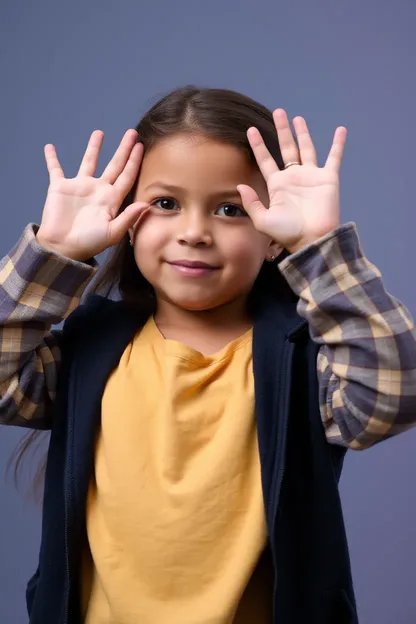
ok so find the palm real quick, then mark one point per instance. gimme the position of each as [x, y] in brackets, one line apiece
[80, 217]
[303, 200]
[72, 205]
[306, 201]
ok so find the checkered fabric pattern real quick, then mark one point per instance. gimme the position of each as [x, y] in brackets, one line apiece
[38, 289]
[367, 356]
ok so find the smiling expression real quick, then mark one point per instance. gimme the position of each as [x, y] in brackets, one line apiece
[196, 245]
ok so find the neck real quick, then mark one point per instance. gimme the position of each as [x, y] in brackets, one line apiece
[212, 328]
[222, 317]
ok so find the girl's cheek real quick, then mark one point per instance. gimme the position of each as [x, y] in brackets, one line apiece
[249, 247]
[149, 232]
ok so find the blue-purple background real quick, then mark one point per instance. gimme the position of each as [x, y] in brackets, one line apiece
[68, 68]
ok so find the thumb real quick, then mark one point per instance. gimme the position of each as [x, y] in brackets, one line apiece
[119, 226]
[251, 202]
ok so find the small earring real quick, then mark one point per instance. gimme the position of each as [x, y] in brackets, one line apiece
[131, 243]
[272, 258]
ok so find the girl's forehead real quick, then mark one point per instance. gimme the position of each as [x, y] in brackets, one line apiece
[189, 160]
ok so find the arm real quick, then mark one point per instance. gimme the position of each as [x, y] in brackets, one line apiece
[43, 278]
[367, 357]
[38, 289]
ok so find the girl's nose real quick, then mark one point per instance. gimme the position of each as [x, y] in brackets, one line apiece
[194, 230]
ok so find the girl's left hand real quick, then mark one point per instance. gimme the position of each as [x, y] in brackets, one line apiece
[303, 198]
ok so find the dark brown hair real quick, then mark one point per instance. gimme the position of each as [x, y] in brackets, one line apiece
[219, 114]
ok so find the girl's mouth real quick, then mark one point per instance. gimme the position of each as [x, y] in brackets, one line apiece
[193, 268]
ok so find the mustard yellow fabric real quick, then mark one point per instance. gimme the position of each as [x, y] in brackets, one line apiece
[175, 515]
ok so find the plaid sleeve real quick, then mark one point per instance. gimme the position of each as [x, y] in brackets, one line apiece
[367, 355]
[38, 289]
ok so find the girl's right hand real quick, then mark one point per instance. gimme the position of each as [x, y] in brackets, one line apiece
[80, 218]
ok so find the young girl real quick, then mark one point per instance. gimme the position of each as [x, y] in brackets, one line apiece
[201, 405]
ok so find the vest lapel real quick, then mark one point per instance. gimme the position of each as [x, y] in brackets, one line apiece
[101, 343]
[276, 326]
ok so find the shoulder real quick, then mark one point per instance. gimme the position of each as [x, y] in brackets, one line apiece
[94, 314]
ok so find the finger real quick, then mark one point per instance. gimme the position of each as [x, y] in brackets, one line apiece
[118, 227]
[337, 150]
[90, 160]
[305, 143]
[120, 158]
[264, 159]
[287, 143]
[54, 167]
[127, 178]
[251, 202]
[138, 222]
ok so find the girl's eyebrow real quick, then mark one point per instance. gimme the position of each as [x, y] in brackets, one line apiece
[231, 192]
[163, 185]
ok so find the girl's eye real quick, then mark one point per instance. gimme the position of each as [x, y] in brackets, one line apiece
[166, 203]
[231, 210]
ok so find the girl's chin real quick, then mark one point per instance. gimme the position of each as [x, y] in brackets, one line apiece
[194, 304]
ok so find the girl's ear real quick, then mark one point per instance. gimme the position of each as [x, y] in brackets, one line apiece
[274, 250]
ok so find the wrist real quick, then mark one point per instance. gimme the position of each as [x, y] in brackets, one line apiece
[48, 245]
[56, 248]
[301, 245]
[312, 239]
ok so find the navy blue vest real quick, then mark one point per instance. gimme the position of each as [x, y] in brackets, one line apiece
[300, 470]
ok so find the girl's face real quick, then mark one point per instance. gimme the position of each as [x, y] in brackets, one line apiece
[196, 245]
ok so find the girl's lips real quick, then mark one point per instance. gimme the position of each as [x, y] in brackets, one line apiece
[193, 268]
[193, 264]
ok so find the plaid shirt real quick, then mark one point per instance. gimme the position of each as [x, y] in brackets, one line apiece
[367, 357]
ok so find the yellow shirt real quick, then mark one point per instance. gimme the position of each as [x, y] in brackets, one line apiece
[175, 514]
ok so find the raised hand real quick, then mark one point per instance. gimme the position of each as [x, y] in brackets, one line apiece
[80, 215]
[303, 198]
